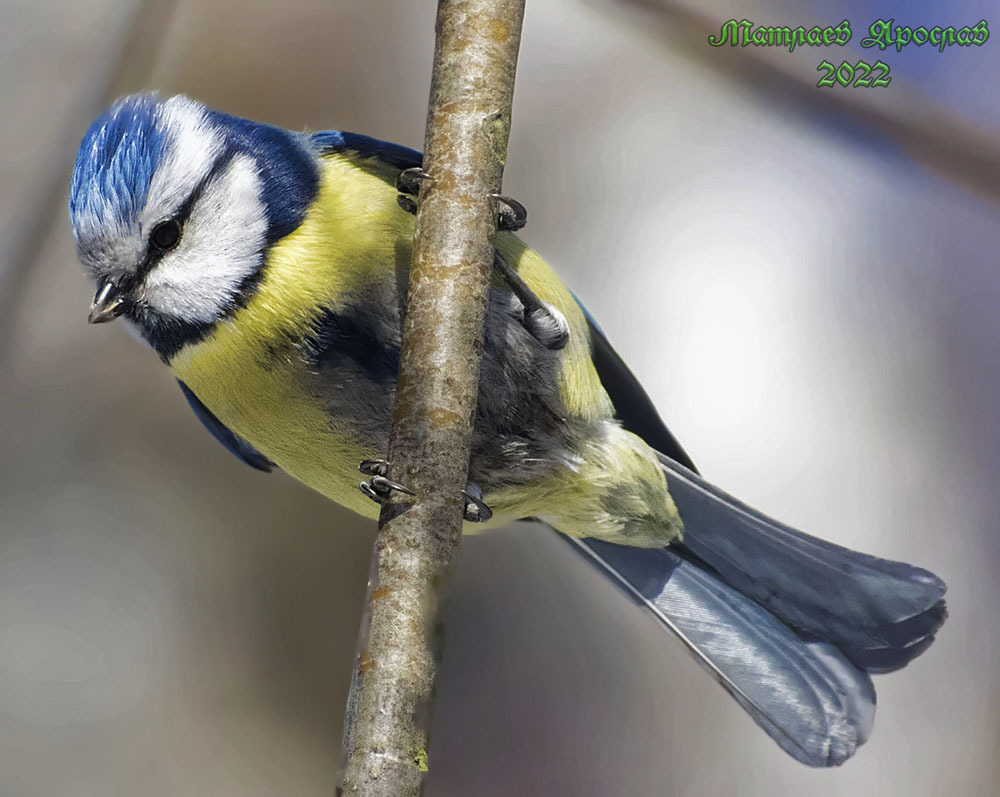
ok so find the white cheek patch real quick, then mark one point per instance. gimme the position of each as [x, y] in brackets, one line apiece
[221, 246]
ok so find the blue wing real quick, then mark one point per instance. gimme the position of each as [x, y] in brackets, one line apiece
[224, 435]
[395, 155]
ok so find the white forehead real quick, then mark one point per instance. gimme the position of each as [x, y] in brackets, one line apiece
[193, 145]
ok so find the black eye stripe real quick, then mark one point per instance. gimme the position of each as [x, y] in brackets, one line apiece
[155, 252]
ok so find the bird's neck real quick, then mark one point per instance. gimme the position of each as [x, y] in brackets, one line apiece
[286, 171]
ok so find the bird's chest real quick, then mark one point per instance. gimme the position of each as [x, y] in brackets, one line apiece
[320, 401]
[272, 393]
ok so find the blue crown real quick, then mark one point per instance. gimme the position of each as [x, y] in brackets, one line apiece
[116, 162]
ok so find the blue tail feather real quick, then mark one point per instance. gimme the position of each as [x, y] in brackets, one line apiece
[813, 702]
[880, 613]
[789, 624]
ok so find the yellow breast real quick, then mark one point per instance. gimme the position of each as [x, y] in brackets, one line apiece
[248, 371]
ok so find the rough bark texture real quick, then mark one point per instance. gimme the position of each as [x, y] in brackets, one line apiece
[468, 123]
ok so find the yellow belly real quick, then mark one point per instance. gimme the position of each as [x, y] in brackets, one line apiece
[261, 400]
[248, 371]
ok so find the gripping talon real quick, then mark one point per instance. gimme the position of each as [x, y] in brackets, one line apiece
[476, 510]
[379, 486]
[367, 489]
[406, 203]
[374, 467]
[383, 485]
[408, 184]
[511, 214]
[409, 180]
[545, 323]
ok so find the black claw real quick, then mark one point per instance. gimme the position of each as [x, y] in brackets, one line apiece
[378, 487]
[511, 214]
[383, 485]
[546, 324]
[408, 184]
[476, 510]
[374, 467]
[406, 204]
[409, 180]
[367, 489]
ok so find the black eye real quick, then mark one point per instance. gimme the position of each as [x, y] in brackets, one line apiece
[166, 234]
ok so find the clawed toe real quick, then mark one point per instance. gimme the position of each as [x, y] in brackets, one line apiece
[379, 487]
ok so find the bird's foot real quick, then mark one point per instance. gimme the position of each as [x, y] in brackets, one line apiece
[476, 510]
[407, 203]
[409, 180]
[545, 323]
[511, 214]
[408, 184]
[379, 487]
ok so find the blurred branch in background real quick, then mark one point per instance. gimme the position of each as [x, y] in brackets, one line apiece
[387, 725]
[130, 58]
[944, 142]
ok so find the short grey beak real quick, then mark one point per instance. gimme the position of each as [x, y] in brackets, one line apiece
[108, 304]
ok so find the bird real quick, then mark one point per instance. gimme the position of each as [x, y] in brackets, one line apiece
[268, 270]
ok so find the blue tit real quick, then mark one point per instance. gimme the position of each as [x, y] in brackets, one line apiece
[268, 270]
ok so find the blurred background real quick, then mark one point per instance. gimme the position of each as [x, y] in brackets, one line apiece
[805, 280]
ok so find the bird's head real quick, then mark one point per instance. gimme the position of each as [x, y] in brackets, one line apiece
[174, 206]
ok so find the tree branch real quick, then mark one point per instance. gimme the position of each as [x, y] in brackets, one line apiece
[468, 123]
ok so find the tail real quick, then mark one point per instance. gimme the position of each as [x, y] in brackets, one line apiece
[880, 614]
[790, 625]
